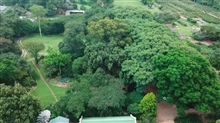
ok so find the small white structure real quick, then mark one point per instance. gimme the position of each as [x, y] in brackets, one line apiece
[4, 9]
[69, 12]
[44, 116]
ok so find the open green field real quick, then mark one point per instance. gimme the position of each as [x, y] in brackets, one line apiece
[49, 41]
[134, 3]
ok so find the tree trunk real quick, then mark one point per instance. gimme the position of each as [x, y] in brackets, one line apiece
[59, 70]
[39, 26]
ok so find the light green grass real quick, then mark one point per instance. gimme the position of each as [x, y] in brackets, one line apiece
[135, 3]
[43, 93]
[187, 30]
[49, 41]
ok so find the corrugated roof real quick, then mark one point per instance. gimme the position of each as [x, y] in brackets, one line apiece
[59, 119]
[119, 119]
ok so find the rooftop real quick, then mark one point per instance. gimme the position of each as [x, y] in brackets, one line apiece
[59, 119]
[118, 119]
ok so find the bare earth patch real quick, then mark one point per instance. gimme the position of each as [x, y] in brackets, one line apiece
[166, 113]
[61, 84]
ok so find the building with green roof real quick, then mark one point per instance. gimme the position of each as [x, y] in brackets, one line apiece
[59, 119]
[118, 119]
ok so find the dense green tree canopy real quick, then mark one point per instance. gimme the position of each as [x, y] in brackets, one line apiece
[110, 30]
[74, 39]
[150, 38]
[17, 105]
[93, 95]
[187, 79]
[57, 59]
[13, 69]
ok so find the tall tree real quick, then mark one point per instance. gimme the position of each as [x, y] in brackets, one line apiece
[187, 80]
[34, 48]
[17, 105]
[38, 11]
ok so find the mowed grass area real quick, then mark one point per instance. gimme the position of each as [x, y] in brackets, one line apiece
[49, 41]
[134, 3]
[43, 93]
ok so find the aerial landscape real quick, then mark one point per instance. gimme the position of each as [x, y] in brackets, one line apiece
[109, 61]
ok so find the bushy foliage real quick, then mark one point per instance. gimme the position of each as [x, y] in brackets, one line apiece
[14, 69]
[182, 22]
[166, 17]
[189, 118]
[17, 105]
[129, 13]
[148, 106]
[191, 20]
[97, 94]
[176, 71]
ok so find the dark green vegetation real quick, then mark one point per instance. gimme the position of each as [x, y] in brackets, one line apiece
[112, 54]
[190, 118]
[17, 105]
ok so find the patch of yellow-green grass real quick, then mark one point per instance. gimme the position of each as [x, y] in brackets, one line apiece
[49, 41]
[59, 91]
[186, 30]
[43, 93]
[135, 3]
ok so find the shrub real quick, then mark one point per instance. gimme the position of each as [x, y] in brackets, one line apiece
[182, 22]
[82, 7]
[198, 36]
[192, 20]
[167, 17]
[190, 118]
[210, 19]
[148, 106]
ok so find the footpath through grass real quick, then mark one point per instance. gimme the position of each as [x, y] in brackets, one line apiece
[46, 92]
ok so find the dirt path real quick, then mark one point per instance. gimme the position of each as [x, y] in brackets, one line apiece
[166, 113]
[24, 53]
[42, 78]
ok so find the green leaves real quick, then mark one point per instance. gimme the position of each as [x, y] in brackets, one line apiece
[185, 78]
[27, 107]
[56, 59]
[148, 106]
[99, 92]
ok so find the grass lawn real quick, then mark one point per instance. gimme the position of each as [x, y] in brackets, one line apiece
[187, 30]
[134, 3]
[43, 93]
[49, 41]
